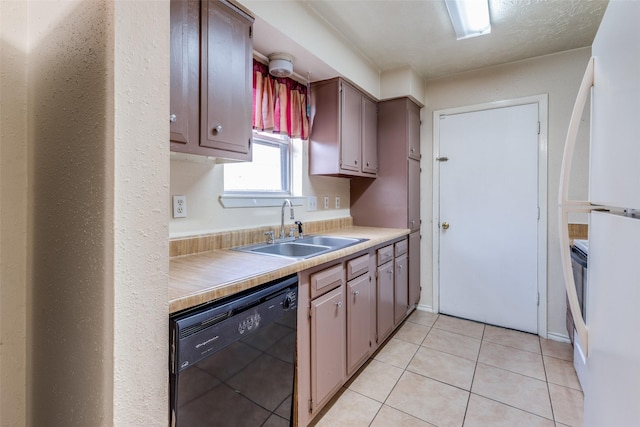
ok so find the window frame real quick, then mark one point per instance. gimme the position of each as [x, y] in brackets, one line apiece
[286, 159]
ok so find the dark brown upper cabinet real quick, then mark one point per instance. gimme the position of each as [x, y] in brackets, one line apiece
[212, 81]
[344, 136]
[185, 74]
[393, 199]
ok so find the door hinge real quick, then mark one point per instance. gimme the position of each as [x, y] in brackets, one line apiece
[310, 311]
[250, 32]
[538, 213]
[538, 302]
[310, 405]
[538, 128]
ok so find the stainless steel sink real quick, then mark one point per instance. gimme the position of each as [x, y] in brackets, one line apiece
[307, 247]
[290, 250]
[334, 242]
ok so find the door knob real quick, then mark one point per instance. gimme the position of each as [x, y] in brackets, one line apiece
[445, 225]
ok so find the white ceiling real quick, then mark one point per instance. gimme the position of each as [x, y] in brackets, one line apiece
[392, 34]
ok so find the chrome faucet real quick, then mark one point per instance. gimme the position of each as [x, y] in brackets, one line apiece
[286, 201]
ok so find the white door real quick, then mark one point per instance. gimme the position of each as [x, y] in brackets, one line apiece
[488, 259]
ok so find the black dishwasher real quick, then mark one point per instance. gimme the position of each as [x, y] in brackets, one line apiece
[232, 362]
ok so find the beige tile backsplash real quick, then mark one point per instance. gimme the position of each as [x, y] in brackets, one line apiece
[578, 231]
[229, 239]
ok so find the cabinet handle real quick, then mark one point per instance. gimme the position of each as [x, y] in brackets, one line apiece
[413, 150]
[400, 267]
[217, 129]
[367, 163]
[338, 304]
[173, 118]
[355, 293]
[356, 162]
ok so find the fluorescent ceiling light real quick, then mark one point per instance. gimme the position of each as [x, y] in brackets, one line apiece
[470, 18]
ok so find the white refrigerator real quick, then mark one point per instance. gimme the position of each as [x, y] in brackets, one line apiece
[611, 333]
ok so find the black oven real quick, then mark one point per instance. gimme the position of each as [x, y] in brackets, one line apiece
[579, 264]
[232, 362]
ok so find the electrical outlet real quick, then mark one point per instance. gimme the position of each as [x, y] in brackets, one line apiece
[337, 202]
[179, 206]
[326, 202]
[312, 203]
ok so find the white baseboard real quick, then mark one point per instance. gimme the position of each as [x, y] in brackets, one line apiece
[424, 307]
[558, 337]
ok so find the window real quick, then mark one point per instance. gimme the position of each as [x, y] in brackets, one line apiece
[268, 174]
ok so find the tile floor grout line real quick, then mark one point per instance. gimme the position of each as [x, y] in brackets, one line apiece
[514, 372]
[544, 367]
[475, 367]
[404, 370]
[510, 346]
[511, 406]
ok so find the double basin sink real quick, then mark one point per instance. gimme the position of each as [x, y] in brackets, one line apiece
[306, 247]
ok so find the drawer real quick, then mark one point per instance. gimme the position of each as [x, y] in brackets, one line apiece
[326, 280]
[357, 266]
[401, 247]
[385, 254]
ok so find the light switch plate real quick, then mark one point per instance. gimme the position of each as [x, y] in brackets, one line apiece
[337, 202]
[312, 203]
[179, 206]
[326, 202]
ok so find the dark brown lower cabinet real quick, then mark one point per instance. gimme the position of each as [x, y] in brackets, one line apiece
[401, 288]
[414, 269]
[358, 312]
[328, 341]
[385, 301]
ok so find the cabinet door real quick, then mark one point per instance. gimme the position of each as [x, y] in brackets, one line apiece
[385, 300]
[328, 342]
[413, 130]
[226, 80]
[184, 63]
[358, 309]
[369, 136]
[413, 194]
[401, 287]
[351, 128]
[414, 268]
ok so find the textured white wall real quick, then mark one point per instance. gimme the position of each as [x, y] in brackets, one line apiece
[140, 230]
[84, 182]
[402, 82]
[557, 75]
[14, 183]
[71, 241]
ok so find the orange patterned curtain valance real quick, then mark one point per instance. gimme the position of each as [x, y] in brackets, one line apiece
[279, 104]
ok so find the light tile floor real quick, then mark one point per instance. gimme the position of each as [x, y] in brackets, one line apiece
[443, 371]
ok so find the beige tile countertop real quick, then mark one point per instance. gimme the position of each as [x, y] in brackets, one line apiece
[203, 277]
